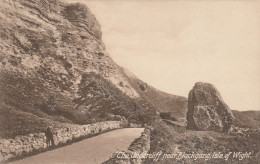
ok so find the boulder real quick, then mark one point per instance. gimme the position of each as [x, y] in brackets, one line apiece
[207, 110]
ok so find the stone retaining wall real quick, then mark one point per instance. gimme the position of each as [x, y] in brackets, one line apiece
[26, 145]
[137, 149]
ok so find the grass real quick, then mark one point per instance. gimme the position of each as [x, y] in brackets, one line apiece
[166, 139]
[14, 122]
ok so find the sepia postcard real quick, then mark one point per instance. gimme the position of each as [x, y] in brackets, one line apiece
[130, 81]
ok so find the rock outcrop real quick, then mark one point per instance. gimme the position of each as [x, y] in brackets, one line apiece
[207, 110]
[54, 68]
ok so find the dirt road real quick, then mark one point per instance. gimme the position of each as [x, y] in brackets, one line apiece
[93, 150]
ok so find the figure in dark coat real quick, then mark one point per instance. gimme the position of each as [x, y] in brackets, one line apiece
[49, 136]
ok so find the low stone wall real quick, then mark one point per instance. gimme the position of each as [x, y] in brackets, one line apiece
[26, 145]
[138, 149]
[135, 125]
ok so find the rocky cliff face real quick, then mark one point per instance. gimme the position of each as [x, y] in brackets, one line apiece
[207, 110]
[54, 69]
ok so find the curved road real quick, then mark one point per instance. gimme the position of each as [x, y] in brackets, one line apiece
[93, 150]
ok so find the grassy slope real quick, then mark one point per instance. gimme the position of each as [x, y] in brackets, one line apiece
[165, 138]
[247, 119]
[14, 122]
[253, 114]
[163, 102]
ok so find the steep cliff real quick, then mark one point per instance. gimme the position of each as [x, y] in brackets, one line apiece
[54, 70]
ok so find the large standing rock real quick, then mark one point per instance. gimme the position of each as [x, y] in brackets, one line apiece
[207, 110]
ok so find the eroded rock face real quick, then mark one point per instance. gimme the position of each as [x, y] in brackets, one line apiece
[54, 68]
[207, 110]
[49, 49]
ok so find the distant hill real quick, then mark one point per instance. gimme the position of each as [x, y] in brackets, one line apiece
[163, 102]
[249, 119]
[252, 114]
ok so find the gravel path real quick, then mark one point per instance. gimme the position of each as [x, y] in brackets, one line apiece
[93, 150]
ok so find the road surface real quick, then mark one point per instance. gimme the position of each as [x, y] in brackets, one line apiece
[93, 150]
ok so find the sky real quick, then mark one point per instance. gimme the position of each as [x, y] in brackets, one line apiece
[171, 44]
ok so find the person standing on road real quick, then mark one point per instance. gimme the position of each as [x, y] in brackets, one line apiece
[49, 136]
